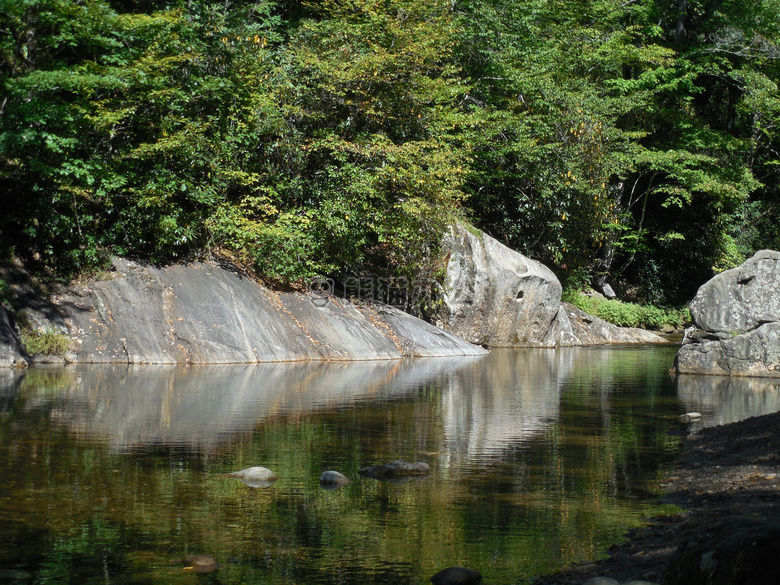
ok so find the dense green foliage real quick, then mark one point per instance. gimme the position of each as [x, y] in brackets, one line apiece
[626, 314]
[633, 142]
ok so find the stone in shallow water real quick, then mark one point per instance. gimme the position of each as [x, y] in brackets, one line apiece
[254, 476]
[690, 417]
[332, 480]
[395, 469]
[200, 563]
[456, 576]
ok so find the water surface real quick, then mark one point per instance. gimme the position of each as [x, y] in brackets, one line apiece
[539, 458]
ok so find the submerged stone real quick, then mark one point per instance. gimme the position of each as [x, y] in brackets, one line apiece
[200, 563]
[396, 469]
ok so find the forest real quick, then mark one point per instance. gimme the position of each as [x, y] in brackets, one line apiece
[629, 142]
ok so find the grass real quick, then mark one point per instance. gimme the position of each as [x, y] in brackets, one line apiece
[46, 342]
[629, 314]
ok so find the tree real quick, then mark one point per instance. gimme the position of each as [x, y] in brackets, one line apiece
[373, 107]
[601, 139]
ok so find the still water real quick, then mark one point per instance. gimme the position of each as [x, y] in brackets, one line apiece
[539, 458]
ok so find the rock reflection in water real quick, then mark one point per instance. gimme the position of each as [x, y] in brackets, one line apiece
[199, 406]
[486, 404]
[726, 399]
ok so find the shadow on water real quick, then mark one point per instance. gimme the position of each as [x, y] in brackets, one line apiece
[538, 458]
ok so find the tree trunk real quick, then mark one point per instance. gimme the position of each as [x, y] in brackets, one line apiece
[682, 15]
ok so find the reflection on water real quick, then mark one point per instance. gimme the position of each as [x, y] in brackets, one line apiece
[722, 400]
[538, 458]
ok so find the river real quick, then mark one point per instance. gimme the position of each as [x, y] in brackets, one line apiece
[538, 458]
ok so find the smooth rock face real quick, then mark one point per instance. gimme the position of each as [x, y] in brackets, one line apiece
[742, 299]
[736, 319]
[497, 297]
[203, 313]
[586, 329]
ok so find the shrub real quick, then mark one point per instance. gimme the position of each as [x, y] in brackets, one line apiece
[625, 314]
[46, 342]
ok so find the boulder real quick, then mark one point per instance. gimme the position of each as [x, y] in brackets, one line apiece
[736, 318]
[496, 297]
[742, 299]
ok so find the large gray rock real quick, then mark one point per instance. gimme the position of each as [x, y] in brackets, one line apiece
[496, 297]
[736, 318]
[203, 313]
[742, 299]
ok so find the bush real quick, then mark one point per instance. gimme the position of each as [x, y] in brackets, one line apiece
[46, 342]
[625, 314]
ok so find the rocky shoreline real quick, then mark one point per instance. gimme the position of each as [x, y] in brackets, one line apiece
[209, 312]
[727, 485]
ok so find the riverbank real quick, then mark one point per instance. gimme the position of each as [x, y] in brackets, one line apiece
[211, 312]
[727, 475]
